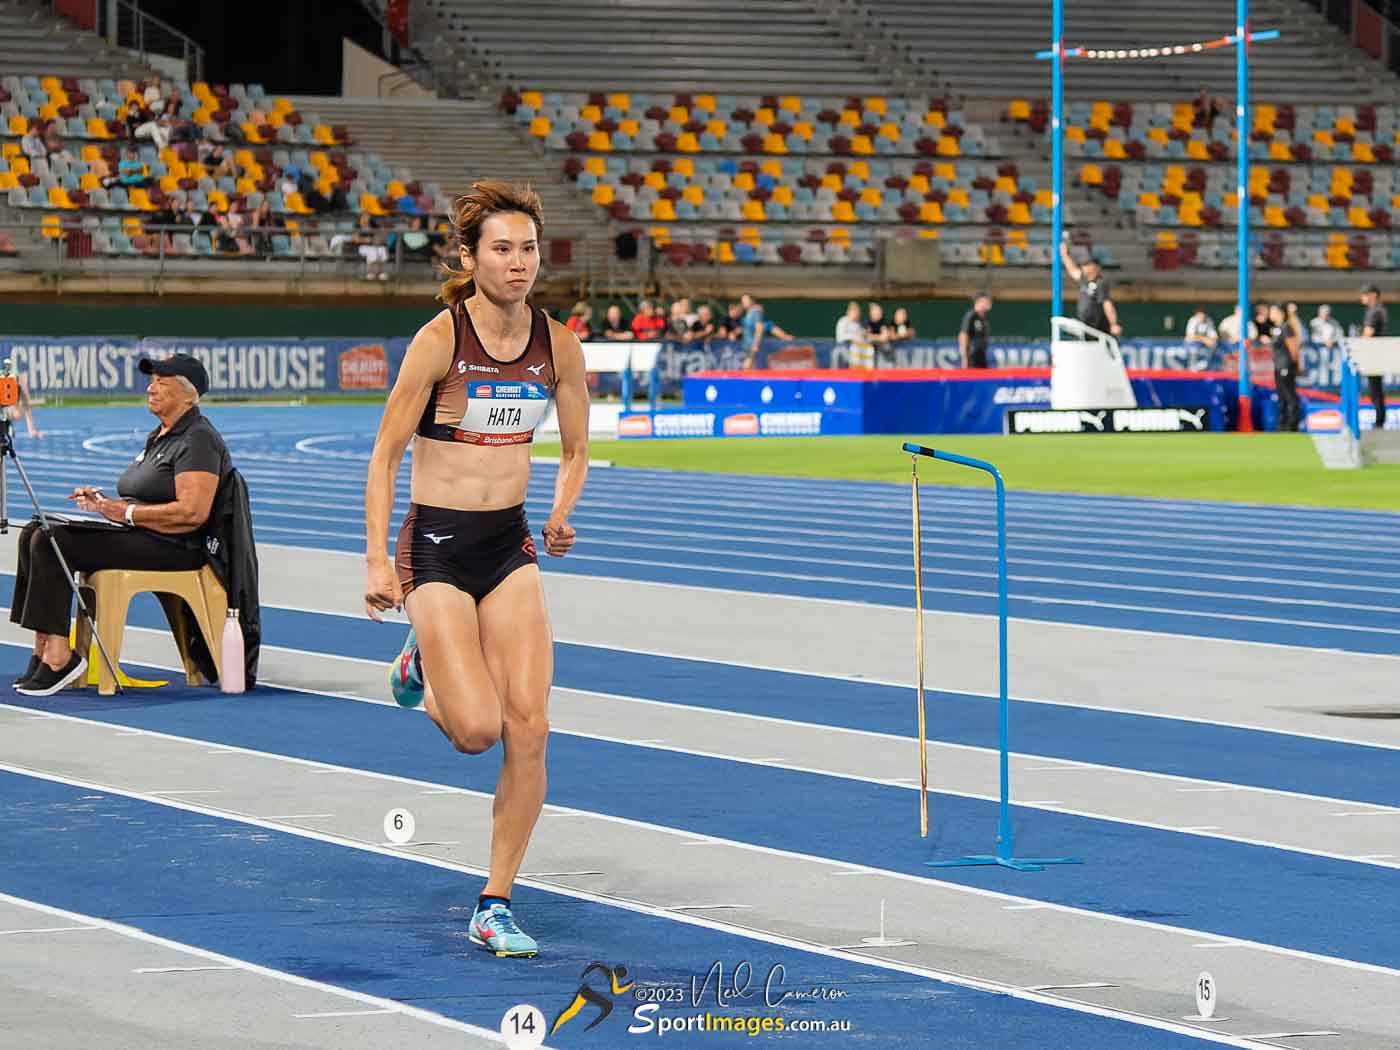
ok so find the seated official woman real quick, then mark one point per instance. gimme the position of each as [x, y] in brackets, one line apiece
[165, 497]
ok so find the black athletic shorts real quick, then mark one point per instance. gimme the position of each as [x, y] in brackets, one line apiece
[473, 550]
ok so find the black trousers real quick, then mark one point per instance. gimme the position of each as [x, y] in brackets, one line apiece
[1378, 399]
[1286, 385]
[43, 600]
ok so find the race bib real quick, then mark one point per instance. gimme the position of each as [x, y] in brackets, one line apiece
[502, 413]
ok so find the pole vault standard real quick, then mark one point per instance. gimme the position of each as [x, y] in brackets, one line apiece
[1240, 40]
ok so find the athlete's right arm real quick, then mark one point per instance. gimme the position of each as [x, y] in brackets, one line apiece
[428, 358]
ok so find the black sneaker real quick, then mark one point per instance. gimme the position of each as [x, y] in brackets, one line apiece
[47, 681]
[34, 663]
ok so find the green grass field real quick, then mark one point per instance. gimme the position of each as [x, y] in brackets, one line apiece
[1250, 468]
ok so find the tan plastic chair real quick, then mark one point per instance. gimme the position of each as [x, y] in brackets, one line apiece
[112, 591]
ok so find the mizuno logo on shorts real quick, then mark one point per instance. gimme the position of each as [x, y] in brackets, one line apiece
[436, 539]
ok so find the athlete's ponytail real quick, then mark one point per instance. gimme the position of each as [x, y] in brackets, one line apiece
[472, 209]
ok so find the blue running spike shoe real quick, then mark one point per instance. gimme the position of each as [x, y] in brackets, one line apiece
[405, 677]
[494, 929]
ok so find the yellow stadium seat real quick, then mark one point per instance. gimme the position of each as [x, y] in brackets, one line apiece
[618, 99]
[297, 205]
[58, 197]
[1074, 133]
[743, 180]
[50, 226]
[48, 111]
[628, 126]
[684, 166]
[539, 127]
[1323, 137]
[142, 200]
[753, 211]
[276, 119]
[199, 87]
[859, 169]
[594, 165]
[600, 142]
[50, 84]
[703, 102]
[1279, 151]
[832, 181]
[1091, 175]
[19, 125]
[764, 115]
[688, 142]
[19, 165]
[219, 199]
[861, 146]
[871, 195]
[395, 188]
[928, 235]
[90, 182]
[602, 194]
[717, 128]
[590, 113]
[1337, 257]
[1196, 149]
[750, 234]
[679, 114]
[1345, 126]
[694, 194]
[773, 143]
[251, 133]
[918, 183]
[773, 168]
[958, 195]
[1005, 184]
[931, 211]
[323, 134]
[663, 210]
[202, 116]
[1019, 109]
[783, 195]
[1045, 198]
[370, 203]
[1343, 177]
[1358, 218]
[1363, 153]
[1273, 216]
[790, 104]
[726, 252]
[934, 118]
[840, 233]
[948, 147]
[991, 254]
[9, 182]
[877, 104]
[850, 118]
[803, 130]
[1019, 213]
[889, 130]
[535, 99]
[1150, 200]
[654, 180]
[842, 211]
[283, 105]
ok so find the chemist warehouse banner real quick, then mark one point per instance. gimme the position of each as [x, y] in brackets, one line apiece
[97, 366]
[106, 365]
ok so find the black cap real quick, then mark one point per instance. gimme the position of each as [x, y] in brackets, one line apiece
[179, 365]
[1369, 289]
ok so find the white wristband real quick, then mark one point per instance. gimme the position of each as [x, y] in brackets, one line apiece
[130, 509]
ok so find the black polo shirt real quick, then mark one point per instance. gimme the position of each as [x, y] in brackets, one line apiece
[1092, 295]
[191, 444]
[977, 329]
[1375, 319]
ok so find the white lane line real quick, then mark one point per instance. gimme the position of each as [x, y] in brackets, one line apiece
[1197, 829]
[299, 816]
[1223, 944]
[341, 1013]
[48, 929]
[1368, 813]
[638, 907]
[1068, 987]
[1290, 1035]
[1209, 790]
[228, 962]
[1024, 907]
[644, 908]
[158, 791]
[182, 969]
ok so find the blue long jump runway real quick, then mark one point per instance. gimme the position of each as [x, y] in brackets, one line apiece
[1256, 893]
[1167, 566]
[1198, 750]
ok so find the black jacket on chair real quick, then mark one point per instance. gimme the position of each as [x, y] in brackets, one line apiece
[232, 554]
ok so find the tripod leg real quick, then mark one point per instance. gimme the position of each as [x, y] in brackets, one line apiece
[84, 609]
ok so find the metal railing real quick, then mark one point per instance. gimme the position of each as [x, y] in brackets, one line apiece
[125, 25]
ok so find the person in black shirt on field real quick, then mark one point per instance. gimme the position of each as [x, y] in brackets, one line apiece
[975, 332]
[1373, 324]
[1283, 340]
[1096, 308]
[164, 498]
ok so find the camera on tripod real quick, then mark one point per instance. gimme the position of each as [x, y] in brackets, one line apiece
[9, 386]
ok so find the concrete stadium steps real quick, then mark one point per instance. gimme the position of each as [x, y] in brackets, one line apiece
[35, 41]
[1311, 60]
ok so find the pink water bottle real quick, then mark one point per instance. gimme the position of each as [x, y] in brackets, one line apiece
[231, 679]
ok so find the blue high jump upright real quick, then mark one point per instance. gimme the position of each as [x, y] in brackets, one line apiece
[1005, 855]
[1240, 41]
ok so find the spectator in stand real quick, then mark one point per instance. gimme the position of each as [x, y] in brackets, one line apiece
[155, 126]
[1205, 109]
[219, 163]
[975, 332]
[369, 242]
[1200, 330]
[417, 242]
[702, 329]
[265, 224]
[131, 173]
[580, 321]
[53, 145]
[614, 327]
[1373, 325]
[678, 327]
[878, 330]
[233, 233]
[1096, 308]
[150, 93]
[165, 216]
[1230, 329]
[1323, 330]
[134, 117]
[648, 326]
[731, 325]
[903, 331]
[849, 326]
[32, 143]
[1283, 338]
